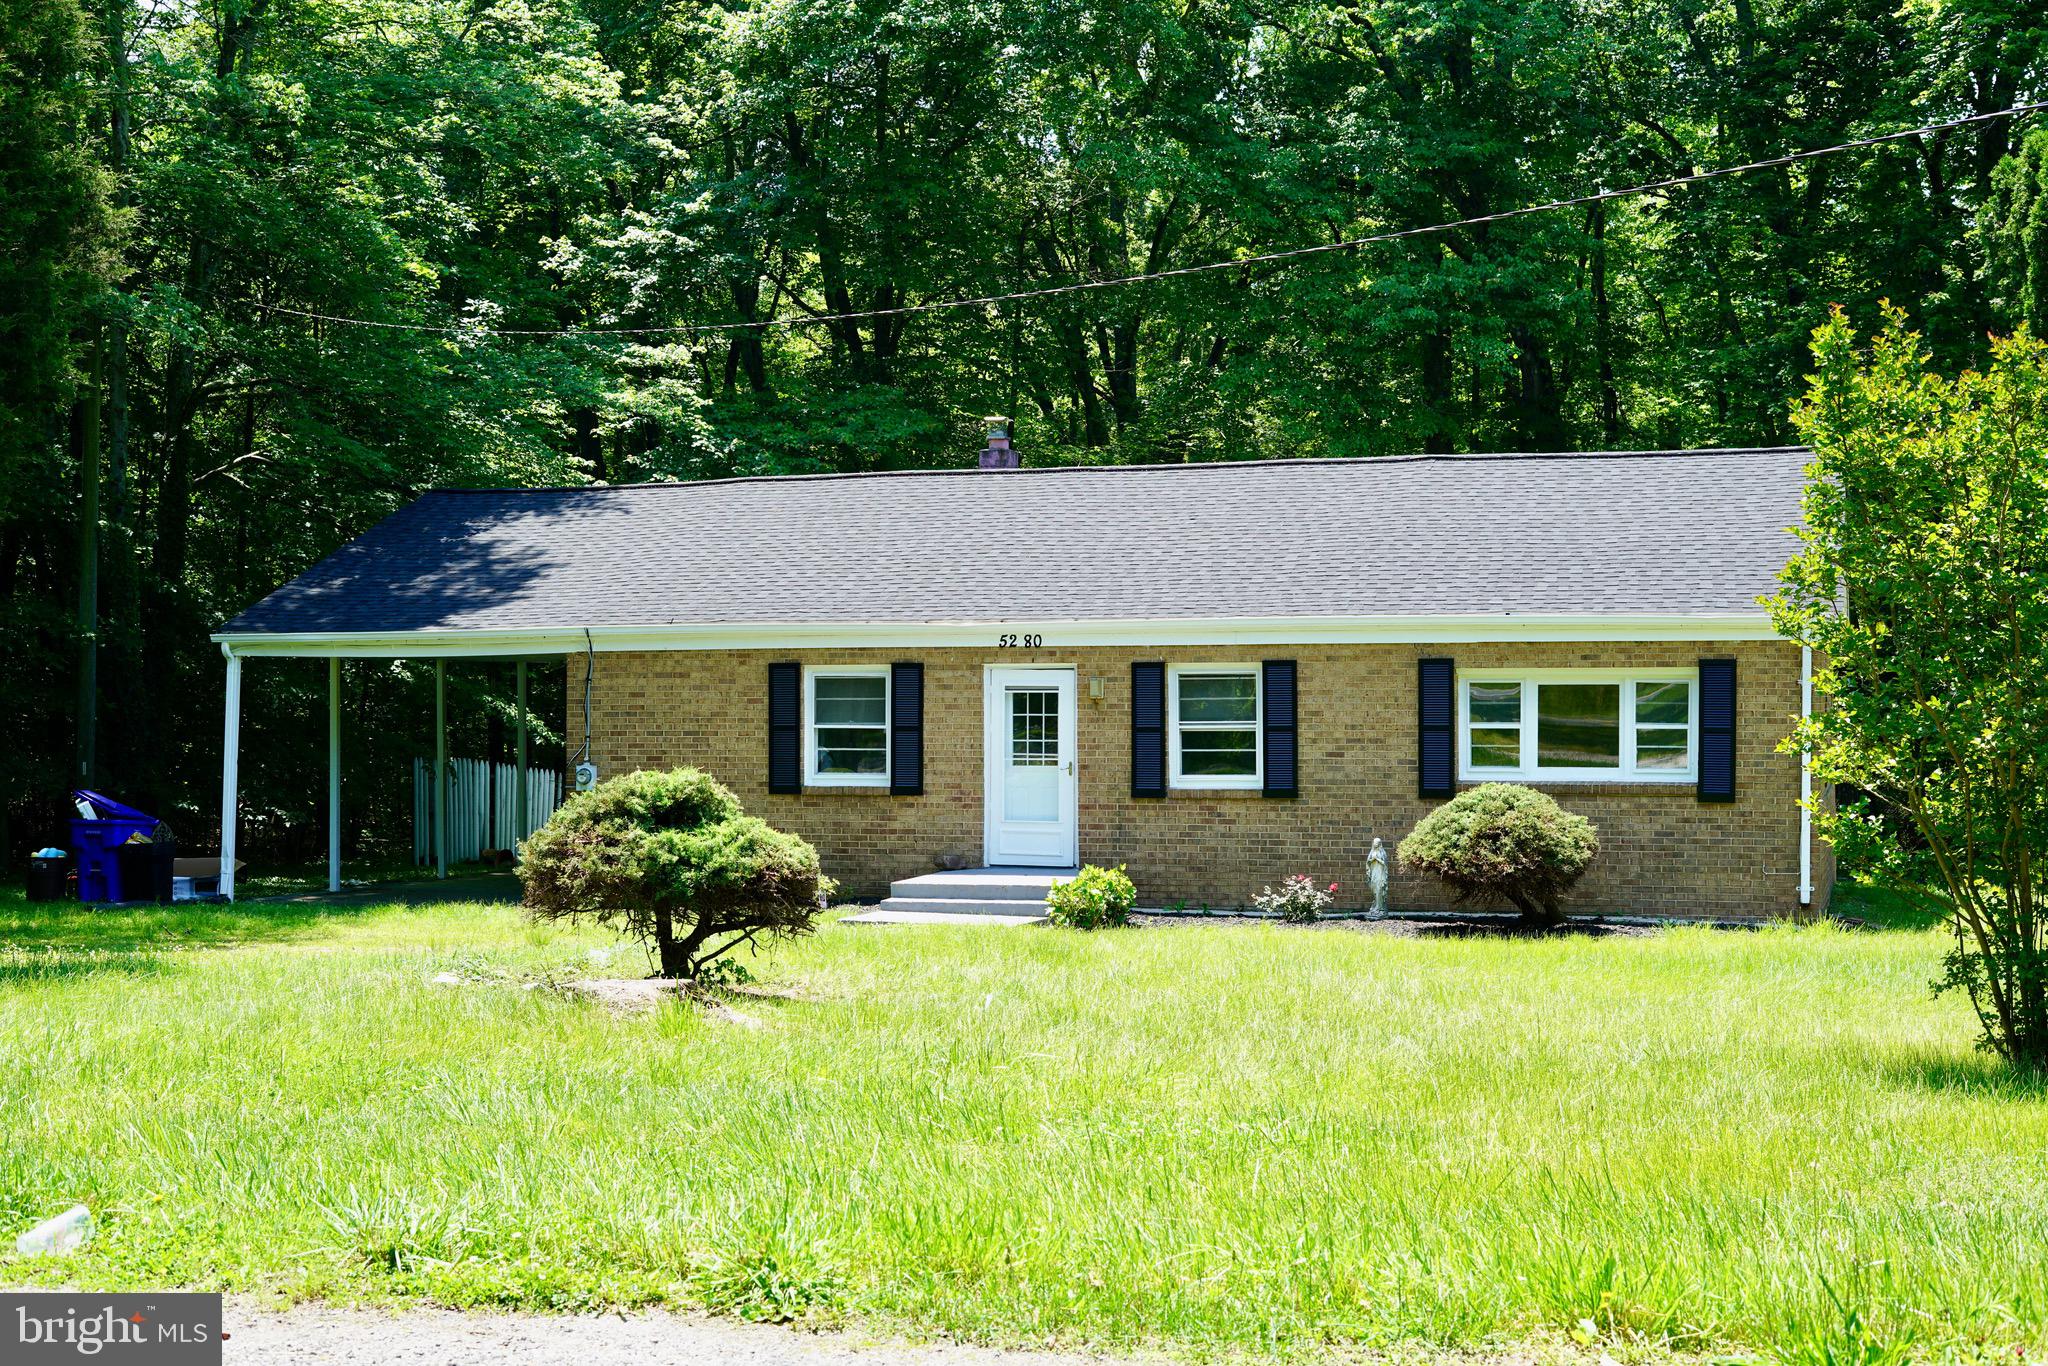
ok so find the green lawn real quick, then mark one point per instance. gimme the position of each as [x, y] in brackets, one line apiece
[1215, 1136]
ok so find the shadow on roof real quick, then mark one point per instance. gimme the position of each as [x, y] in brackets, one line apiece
[430, 566]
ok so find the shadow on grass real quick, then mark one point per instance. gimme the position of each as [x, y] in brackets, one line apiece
[1509, 929]
[70, 927]
[1966, 1074]
[1886, 908]
[44, 966]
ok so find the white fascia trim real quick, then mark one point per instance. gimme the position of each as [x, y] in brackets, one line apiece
[1476, 628]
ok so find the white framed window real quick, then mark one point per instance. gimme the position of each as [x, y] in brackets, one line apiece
[1579, 725]
[1212, 723]
[846, 726]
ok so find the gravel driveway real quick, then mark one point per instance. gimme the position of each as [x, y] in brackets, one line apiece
[314, 1335]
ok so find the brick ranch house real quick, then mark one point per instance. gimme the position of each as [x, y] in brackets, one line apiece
[1216, 674]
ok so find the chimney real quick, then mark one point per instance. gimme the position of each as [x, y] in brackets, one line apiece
[997, 454]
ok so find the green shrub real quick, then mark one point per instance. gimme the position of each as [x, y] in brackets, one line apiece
[1092, 898]
[1508, 843]
[727, 974]
[671, 858]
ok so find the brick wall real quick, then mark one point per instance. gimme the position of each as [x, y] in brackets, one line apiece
[1662, 851]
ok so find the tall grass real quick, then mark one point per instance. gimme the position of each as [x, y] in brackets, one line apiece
[1241, 1136]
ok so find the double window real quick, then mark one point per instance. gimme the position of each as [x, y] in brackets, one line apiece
[1212, 713]
[846, 726]
[1579, 725]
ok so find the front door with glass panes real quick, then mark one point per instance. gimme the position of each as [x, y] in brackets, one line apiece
[1030, 807]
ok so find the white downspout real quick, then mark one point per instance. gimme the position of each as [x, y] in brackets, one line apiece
[1805, 780]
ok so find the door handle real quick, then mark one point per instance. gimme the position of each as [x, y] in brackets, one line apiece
[1070, 768]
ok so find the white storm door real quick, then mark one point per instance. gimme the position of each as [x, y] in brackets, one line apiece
[1029, 798]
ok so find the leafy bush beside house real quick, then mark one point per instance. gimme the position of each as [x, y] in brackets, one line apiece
[1919, 589]
[1091, 899]
[671, 857]
[1505, 842]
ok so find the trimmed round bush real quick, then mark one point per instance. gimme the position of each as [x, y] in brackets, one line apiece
[1505, 842]
[1092, 898]
[670, 857]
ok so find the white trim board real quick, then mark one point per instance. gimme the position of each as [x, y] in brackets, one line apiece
[1477, 628]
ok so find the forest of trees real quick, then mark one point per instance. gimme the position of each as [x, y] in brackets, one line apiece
[184, 182]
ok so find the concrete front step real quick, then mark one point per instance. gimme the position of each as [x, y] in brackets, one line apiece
[882, 916]
[981, 884]
[960, 905]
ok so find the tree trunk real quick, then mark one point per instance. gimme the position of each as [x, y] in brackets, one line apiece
[584, 443]
[1540, 913]
[88, 419]
[1603, 333]
[1436, 389]
[1539, 414]
[674, 962]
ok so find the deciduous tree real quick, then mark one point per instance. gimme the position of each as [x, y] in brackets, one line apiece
[1920, 590]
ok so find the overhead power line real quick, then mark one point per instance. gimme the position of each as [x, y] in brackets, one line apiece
[1234, 263]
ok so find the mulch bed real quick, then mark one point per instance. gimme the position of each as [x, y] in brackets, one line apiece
[1475, 927]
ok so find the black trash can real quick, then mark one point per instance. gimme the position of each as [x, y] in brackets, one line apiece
[135, 871]
[145, 871]
[164, 856]
[46, 877]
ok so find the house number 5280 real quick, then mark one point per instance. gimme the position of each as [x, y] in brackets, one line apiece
[1030, 642]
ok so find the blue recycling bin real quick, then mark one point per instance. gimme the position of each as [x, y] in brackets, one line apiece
[93, 843]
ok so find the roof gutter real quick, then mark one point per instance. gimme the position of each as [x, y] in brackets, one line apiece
[1503, 627]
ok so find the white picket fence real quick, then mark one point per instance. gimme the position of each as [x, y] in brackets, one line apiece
[471, 829]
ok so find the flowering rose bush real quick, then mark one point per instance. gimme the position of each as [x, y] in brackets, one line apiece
[1298, 900]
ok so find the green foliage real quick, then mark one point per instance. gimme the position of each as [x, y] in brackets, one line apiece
[1505, 842]
[767, 1284]
[2014, 229]
[669, 856]
[1092, 899]
[725, 974]
[58, 231]
[1919, 589]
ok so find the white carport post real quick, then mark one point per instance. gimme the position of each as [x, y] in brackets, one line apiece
[441, 768]
[519, 811]
[334, 773]
[230, 763]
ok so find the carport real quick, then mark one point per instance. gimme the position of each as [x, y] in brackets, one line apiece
[457, 647]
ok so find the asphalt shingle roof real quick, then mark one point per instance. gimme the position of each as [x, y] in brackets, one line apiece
[1676, 532]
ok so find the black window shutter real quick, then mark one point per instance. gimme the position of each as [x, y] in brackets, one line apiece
[1148, 730]
[785, 728]
[1282, 780]
[1436, 769]
[1717, 730]
[906, 728]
